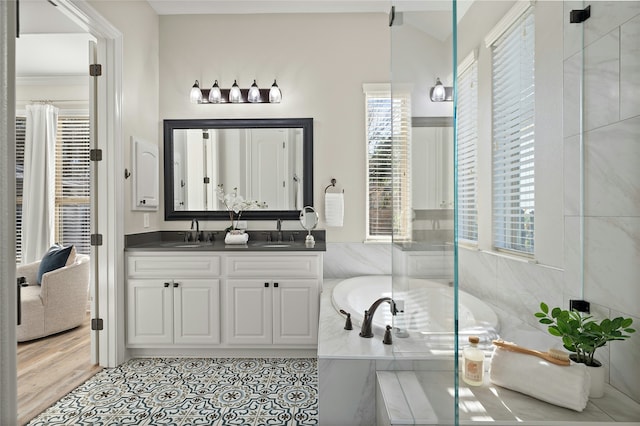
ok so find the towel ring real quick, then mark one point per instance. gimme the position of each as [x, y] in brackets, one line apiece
[333, 183]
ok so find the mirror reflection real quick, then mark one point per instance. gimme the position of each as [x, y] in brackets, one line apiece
[309, 218]
[268, 160]
[432, 161]
[265, 165]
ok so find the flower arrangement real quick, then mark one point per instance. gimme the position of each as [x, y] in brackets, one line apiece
[236, 204]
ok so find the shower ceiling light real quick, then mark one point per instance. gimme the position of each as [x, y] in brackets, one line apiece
[216, 95]
[441, 93]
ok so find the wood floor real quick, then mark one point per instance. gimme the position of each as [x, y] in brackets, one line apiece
[51, 367]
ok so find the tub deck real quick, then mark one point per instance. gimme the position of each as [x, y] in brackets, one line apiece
[348, 366]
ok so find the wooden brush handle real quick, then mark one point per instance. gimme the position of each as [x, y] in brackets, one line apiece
[544, 355]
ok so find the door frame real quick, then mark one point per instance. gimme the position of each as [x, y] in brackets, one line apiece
[107, 259]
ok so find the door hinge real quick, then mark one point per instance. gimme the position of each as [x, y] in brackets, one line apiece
[95, 155]
[97, 324]
[95, 70]
[96, 239]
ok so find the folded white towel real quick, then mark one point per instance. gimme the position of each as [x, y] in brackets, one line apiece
[236, 238]
[334, 208]
[563, 386]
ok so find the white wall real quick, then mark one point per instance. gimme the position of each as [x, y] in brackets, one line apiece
[138, 23]
[320, 62]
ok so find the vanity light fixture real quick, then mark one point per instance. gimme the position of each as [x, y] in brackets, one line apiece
[215, 95]
[196, 93]
[235, 94]
[275, 95]
[254, 93]
[441, 93]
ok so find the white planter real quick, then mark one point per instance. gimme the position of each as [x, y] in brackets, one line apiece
[597, 381]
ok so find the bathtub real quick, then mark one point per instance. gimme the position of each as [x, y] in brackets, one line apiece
[428, 309]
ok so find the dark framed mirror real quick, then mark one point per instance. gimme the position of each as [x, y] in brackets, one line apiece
[268, 160]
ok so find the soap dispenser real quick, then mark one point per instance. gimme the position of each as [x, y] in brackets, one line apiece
[473, 363]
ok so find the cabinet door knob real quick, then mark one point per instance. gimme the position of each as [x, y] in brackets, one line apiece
[266, 284]
[175, 285]
[166, 285]
[275, 284]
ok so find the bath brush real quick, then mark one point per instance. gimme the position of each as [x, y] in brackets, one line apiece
[554, 356]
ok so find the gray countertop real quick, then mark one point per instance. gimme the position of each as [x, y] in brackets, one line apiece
[175, 240]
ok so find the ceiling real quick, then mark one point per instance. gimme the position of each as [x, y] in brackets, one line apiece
[52, 44]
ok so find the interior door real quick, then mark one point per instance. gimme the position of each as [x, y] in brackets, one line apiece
[269, 167]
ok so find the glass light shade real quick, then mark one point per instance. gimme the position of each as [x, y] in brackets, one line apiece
[254, 93]
[196, 93]
[275, 96]
[234, 94]
[215, 96]
[438, 92]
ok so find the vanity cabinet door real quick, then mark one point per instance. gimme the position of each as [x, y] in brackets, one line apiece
[149, 311]
[249, 311]
[196, 311]
[295, 311]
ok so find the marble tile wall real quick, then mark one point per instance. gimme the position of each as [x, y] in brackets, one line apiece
[611, 174]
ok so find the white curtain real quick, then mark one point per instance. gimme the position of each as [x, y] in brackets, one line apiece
[38, 201]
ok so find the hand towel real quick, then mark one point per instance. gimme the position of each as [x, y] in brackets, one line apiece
[334, 208]
[563, 386]
[236, 238]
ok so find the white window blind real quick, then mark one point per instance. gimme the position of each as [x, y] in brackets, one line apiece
[467, 122]
[73, 183]
[21, 125]
[388, 167]
[513, 137]
[72, 186]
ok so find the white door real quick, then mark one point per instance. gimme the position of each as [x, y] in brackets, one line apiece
[249, 307]
[196, 311]
[269, 168]
[145, 175]
[295, 312]
[149, 311]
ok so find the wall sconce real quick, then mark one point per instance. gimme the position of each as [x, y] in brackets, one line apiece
[441, 93]
[235, 94]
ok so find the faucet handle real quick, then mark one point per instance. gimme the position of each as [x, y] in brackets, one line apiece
[387, 340]
[348, 325]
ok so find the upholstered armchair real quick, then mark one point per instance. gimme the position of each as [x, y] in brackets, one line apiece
[58, 304]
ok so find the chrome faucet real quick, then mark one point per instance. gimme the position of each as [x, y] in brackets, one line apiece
[279, 229]
[194, 221]
[365, 330]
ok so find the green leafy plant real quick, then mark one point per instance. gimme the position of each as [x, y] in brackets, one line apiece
[581, 334]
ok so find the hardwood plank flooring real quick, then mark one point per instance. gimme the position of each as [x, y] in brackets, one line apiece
[51, 367]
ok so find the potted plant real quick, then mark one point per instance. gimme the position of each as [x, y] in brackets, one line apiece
[582, 335]
[235, 205]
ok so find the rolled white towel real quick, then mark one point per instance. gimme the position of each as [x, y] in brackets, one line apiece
[231, 238]
[563, 386]
[334, 208]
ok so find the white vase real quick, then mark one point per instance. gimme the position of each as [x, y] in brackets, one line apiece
[236, 237]
[597, 381]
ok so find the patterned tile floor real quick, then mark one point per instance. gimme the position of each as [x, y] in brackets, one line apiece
[194, 391]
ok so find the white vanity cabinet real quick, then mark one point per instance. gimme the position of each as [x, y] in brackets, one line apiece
[272, 300]
[223, 300]
[173, 299]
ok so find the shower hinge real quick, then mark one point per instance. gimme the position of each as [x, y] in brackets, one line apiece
[97, 324]
[579, 15]
[580, 306]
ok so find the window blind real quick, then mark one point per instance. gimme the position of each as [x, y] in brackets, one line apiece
[513, 137]
[73, 183]
[388, 167]
[467, 122]
[21, 125]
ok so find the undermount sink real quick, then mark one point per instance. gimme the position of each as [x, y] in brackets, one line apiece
[275, 245]
[185, 245]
